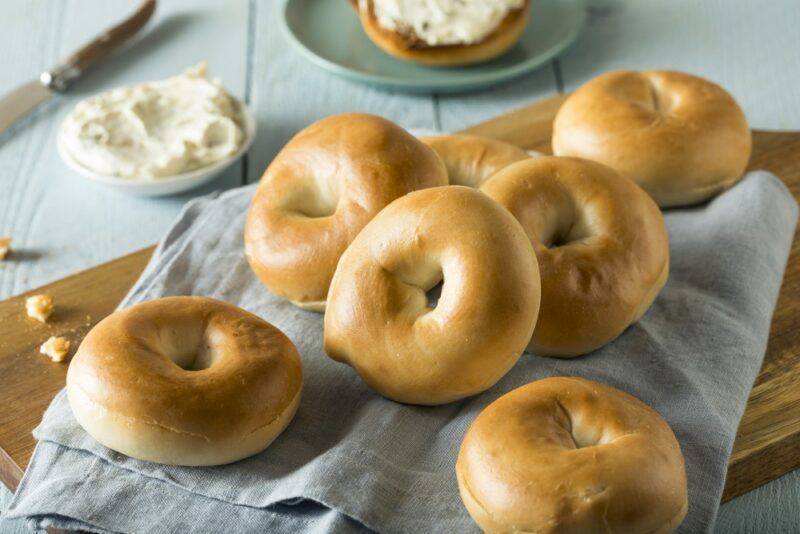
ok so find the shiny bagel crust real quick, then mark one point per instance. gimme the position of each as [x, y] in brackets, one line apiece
[601, 244]
[321, 190]
[682, 138]
[378, 320]
[571, 455]
[185, 381]
[471, 159]
[412, 49]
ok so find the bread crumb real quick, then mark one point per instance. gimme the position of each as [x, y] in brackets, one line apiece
[39, 307]
[56, 348]
[5, 247]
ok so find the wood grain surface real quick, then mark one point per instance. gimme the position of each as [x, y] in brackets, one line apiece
[766, 445]
[29, 379]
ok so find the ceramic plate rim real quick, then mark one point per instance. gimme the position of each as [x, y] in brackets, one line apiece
[464, 82]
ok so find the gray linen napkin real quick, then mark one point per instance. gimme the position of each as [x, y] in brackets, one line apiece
[352, 459]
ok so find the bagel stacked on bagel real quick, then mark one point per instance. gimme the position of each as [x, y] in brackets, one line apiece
[185, 381]
[320, 191]
[682, 138]
[379, 320]
[471, 159]
[601, 245]
[443, 32]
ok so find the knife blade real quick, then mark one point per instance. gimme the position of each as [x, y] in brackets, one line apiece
[24, 98]
[20, 101]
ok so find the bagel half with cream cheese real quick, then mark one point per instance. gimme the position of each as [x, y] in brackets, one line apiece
[455, 33]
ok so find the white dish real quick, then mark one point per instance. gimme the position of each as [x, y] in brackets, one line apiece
[167, 185]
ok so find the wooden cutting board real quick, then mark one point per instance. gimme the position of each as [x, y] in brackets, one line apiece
[767, 444]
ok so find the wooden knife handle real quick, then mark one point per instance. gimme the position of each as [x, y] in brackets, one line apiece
[60, 77]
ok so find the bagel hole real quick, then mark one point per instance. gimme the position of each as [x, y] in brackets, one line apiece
[659, 101]
[573, 233]
[558, 241]
[422, 283]
[433, 295]
[313, 199]
[582, 441]
[203, 359]
[189, 347]
[564, 222]
[655, 103]
[578, 439]
[312, 208]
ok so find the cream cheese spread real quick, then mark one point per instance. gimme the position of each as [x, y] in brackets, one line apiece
[443, 22]
[154, 129]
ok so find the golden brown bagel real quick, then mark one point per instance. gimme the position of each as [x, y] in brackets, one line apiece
[408, 47]
[378, 319]
[601, 244]
[680, 137]
[185, 381]
[318, 193]
[471, 159]
[571, 455]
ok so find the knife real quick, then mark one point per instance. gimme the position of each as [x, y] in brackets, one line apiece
[18, 102]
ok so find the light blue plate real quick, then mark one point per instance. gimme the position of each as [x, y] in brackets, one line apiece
[329, 33]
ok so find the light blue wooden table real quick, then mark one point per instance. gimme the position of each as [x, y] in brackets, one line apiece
[61, 223]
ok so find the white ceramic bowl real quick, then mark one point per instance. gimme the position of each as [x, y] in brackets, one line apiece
[166, 185]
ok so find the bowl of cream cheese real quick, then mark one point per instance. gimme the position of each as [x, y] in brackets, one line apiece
[157, 138]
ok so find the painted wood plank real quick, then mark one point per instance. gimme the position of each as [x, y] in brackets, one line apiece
[751, 48]
[770, 508]
[29, 380]
[59, 221]
[288, 92]
[7, 526]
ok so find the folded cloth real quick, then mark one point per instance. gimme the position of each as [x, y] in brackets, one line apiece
[352, 460]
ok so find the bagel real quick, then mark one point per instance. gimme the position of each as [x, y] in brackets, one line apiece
[185, 381]
[600, 242]
[488, 36]
[379, 321]
[571, 455]
[682, 138]
[471, 159]
[321, 190]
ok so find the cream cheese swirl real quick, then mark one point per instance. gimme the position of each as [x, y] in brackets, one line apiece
[443, 22]
[155, 129]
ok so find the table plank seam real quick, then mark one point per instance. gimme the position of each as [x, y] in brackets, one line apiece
[252, 18]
